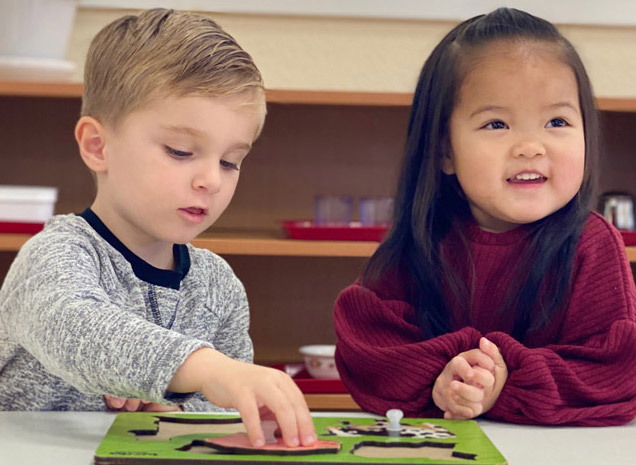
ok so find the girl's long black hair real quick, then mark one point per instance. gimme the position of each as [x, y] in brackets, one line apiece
[428, 203]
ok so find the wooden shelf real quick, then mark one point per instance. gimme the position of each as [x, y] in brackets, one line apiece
[41, 89]
[12, 242]
[309, 97]
[331, 402]
[264, 246]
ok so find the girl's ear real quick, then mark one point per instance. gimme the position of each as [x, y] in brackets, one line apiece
[447, 164]
[90, 137]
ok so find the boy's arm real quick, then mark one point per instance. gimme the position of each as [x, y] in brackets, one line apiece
[54, 306]
[381, 357]
[231, 338]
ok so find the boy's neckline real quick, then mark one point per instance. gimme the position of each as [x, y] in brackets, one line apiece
[142, 269]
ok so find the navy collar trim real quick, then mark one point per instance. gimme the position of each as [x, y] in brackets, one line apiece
[142, 269]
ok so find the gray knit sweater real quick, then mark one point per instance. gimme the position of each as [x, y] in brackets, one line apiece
[82, 316]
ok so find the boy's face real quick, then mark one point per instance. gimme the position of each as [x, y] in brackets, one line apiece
[517, 137]
[172, 167]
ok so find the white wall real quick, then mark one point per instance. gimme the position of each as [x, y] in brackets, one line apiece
[370, 54]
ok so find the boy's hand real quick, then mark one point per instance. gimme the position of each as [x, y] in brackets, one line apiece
[257, 392]
[491, 393]
[120, 404]
[460, 390]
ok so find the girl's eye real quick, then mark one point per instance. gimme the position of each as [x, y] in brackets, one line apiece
[229, 165]
[496, 125]
[556, 123]
[176, 153]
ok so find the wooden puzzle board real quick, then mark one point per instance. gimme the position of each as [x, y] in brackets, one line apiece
[167, 439]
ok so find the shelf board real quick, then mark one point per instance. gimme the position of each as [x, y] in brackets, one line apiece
[616, 104]
[237, 245]
[227, 244]
[12, 242]
[331, 402]
[309, 97]
[320, 97]
[41, 89]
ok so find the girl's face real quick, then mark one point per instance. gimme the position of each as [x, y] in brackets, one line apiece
[517, 139]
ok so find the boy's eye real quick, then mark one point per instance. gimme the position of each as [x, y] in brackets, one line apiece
[556, 123]
[229, 165]
[176, 153]
[497, 124]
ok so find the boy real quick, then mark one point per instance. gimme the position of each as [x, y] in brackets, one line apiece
[108, 307]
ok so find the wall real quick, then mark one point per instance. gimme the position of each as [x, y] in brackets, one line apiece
[369, 54]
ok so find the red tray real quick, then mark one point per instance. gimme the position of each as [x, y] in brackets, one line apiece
[310, 385]
[9, 227]
[354, 232]
[629, 237]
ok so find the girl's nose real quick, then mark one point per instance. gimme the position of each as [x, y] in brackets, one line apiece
[528, 148]
[208, 177]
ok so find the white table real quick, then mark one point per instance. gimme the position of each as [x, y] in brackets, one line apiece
[70, 438]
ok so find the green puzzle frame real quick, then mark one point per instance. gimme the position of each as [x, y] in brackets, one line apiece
[121, 447]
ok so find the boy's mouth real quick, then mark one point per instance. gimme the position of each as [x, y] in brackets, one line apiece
[195, 214]
[195, 210]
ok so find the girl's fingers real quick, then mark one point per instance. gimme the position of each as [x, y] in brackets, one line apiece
[492, 351]
[460, 412]
[478, 357]
[465, 392]
[460, 367]
[480, 377]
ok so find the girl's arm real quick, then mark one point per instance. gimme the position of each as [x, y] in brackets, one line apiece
[588, 375]
[381, 358]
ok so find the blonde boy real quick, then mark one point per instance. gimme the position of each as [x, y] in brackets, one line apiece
[106, 308]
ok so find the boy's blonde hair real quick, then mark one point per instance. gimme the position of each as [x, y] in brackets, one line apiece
[163, 52]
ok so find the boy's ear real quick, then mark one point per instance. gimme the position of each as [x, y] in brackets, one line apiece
[90, 137]
[447, 164]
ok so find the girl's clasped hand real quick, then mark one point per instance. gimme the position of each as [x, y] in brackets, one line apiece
[471, 382]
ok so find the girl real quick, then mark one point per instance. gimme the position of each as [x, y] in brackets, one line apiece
[497, 291]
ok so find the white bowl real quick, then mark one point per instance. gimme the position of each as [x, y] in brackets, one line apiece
[319, 361]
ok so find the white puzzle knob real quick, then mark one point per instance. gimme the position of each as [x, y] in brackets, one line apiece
[394, 416]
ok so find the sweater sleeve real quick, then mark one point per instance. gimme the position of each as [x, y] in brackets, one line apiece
[53, 305]
[232, 336]
[381, 357]
[588, 376]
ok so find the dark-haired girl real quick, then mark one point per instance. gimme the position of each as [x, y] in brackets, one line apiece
[497, 292]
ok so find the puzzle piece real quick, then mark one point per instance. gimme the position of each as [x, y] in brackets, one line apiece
[240, 444]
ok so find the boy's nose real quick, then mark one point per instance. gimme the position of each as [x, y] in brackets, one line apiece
[208, 177]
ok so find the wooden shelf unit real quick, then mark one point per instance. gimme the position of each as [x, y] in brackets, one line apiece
[254, 246]
[311, 97]
[313, 142]
[231, 244]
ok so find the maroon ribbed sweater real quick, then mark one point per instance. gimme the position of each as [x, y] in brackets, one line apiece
[580, 370]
